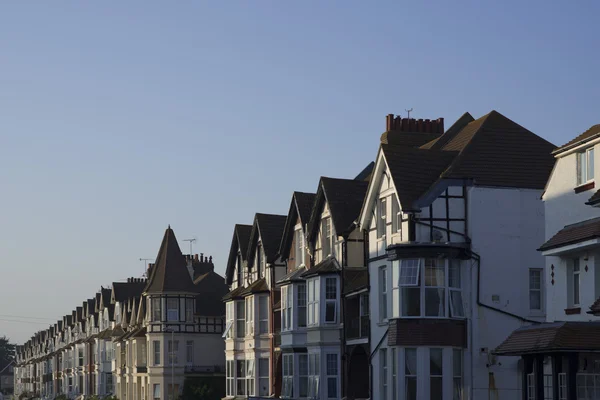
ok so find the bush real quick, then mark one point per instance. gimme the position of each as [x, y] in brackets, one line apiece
[203, 388]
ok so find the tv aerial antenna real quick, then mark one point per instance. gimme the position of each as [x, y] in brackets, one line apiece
[408, 113]
[192, 241]
[145, 260]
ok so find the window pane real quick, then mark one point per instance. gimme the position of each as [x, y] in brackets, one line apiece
[409, 272]
[457, 307]
[436, 388]
[535, 301]
[330, 311]
[411, 388]
[330, 289]
[410, 361]
[454, 273]
[535, 279]
[435, 302]
[435, 361]
[332, 388]
[411, 302]
[435, 273]
[590, 164]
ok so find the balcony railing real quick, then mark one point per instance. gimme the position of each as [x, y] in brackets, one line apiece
[358, 328]
[204, 369]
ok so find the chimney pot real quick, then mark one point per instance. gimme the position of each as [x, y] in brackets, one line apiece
[196, 257]
[210, 259]
[389, 121]
[201, 257]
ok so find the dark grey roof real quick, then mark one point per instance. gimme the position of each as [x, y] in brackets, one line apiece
[123, 291]
[574, 233]
[239, 242]
[328, 266]
[592, 133]
[300, 206]
[365, 174]
[344, 197]
[294, 276]
[269, 227]
[169, 273]
[355, 279]
[211, 288]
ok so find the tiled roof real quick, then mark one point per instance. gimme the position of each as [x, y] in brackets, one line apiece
[559, 336]
[236, 293]
[170, 273]
[355, 279]
[295, 275]
[365, 174]
[328, 266]
[589, 134]
[458, 126]
[300, 206]
[211, 288]
[240, 241]
[269, 227]
[575, 233]
[123, 291]
[258, 286]
[414, 171]
[408, 139]
[344, 197]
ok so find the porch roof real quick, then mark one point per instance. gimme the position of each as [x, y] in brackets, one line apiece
[574, 233]
[551, 337]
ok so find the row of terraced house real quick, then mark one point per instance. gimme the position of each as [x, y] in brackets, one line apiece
[404, 281]
[142, 339]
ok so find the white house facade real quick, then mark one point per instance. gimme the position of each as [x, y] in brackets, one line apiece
[452, 225]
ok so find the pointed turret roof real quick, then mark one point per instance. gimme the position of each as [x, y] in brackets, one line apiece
[170, 273]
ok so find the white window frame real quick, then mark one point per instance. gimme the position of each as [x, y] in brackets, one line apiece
[240, 326]
[332, 369]
[172, 312]
[455, 289]
[250, 372]
[156, 395]
[313, 301]
[331, 298]
[575, 295]
[327, 237]
[263, 315]
[409, 272]
[228, 333]
[381, 222]
[286, 308]
[383, 293]
[394, 359]
[531, 386]
[314, 368]
[383, 376]
[303, 375]
[189, 310]
[411, 376]
[298, 246]
[249, 301]
[533, 290]
[230, 378]
[437, 376]
[287, 387]
[585, 166]
[240, 378]
[457, 374]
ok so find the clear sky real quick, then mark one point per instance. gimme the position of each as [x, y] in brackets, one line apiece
[119, 119]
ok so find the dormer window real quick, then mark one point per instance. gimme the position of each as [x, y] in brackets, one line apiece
[585, 166]
[172, 309]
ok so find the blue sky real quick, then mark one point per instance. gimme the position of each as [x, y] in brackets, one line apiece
[119, 119]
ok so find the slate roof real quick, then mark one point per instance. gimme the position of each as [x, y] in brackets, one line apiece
[365, 174]
[170, 273]
[236, 293]
[408, 139]
[294, 276]
[592, 133]
[105, 294]
[328, 266]
[558, 336]
[574, 233]
[211, 288]
[123, 291]
[269, 227]
[344, 197]
[300, 206]
[240, 241]
[258, 286]
[489, 151]
[355, 279]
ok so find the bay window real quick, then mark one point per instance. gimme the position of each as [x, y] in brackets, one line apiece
[430, 288]
[172, 309]
[313, 375]
[330, 300]
[535, 289]
[332, 376]
[288, 375]
[241, 377]
[230, 373]
[240, 326]
[313, 302]
[381, 217]
[189, 310]
[250, 377]
[286, 307]
[228, 334]
[585, 166]
[156, 315]
[383, 287]
[263, 377]
[435, 374]
[303, 375]
[410, 374]
[301, 305]
[250, 316]
[263, 315]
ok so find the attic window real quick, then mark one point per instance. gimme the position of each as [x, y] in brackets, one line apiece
[585, 166]
[381, 217]
[172, 309]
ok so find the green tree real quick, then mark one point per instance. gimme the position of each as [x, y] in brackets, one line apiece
[203, 388]
[7, 351]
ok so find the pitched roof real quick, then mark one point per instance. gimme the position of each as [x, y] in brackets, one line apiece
[328, 266]
[355, 279]
[365, 174]
[574, 233]
[239, 242]
[211, 288]
[558, 336]
[344, 197]
[294, 276]
[460, 123]
[269, 227]
[300, 207]
[592, 133]
[411, 182]
[123, 291]
[236, 293]
[170, 273]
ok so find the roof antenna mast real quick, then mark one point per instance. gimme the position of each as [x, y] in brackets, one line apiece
[408, 113]
[145, 260]
[191, 242]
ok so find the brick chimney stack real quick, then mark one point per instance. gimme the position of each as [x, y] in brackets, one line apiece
[399, 124]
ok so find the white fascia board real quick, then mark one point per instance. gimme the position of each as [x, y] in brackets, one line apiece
[572, 248]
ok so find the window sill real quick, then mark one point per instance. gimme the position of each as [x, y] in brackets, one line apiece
[584, 187]
[573, 311]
